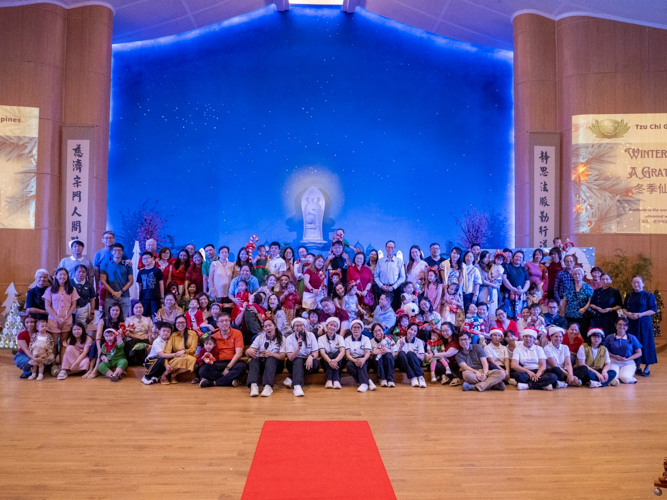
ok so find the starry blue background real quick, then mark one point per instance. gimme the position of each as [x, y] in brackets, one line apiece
[225, 128]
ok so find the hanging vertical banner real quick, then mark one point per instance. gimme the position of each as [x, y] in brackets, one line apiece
[544, 187]
[77, 186]
[18, 166]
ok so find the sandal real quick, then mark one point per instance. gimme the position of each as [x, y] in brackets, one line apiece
[455, 382]
[164, 380]
[62, 375]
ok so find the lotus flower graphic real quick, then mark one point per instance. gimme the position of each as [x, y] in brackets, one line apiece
[609, 128]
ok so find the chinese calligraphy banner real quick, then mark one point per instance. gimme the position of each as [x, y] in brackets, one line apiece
[77, 183]
[19, 128]
[619, 173]
[544, 187]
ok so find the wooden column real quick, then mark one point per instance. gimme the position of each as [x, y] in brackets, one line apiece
[535, 104]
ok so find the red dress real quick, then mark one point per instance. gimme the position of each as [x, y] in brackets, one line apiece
[511, 327]
[178, 275]
[194, 275]
[363, 275]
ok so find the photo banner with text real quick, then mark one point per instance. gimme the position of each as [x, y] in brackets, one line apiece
[19, 128]
[619, 173]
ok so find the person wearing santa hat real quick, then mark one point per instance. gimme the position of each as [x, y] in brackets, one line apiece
[302, 351]
[558, 359]
[357, 352]
[332, 350]
[529, 364]
[594, 363]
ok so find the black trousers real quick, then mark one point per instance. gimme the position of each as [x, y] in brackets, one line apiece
[384, 366]
[560, 374]
[155, 366]
[267, 367]
[151, 307]
[332, 373]
[360, 373]
[586, 375]
[297, 369]
[214, 372]
[409, 363]
[134, 358]
[545, 380]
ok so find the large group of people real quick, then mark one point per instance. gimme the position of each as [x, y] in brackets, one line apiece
[475, 319]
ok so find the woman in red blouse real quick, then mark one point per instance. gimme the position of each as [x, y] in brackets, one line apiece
[506, 324]
[180, 267]
[364, 277]
[313, 280]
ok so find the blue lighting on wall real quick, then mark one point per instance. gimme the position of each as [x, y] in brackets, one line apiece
[223, 128]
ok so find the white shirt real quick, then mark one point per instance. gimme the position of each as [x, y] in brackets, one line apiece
[330, 345]
[581, 354]
[309, 347]
[357, 348]
[413, 275]
[559, 354]
[260, 344]
[529, 358]
[277, 265]
[416, 346]
[474, 278]
[497, 354]
[386, 341]
[157, 347]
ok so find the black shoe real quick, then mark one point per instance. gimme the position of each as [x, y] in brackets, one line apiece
[25, 374]
[646, 372]
[638, 371]
[205, 383]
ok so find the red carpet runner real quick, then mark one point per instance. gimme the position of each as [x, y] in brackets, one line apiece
[317, 460]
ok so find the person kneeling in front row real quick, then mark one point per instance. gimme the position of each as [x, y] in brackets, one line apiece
[475, 367]
[301, 348]
[529, 364]
[267, 353]
[228, 369]
[357, 352]
[593, 363]
[410, 355]
[558, 359]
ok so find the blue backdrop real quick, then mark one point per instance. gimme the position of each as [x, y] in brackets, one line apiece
[221, 130]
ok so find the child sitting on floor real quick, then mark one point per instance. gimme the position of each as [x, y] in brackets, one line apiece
[207, 355]
[156, 359]
[433, 347]
[42, 349]
[112, 356]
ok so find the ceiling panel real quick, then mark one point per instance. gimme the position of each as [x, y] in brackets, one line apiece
[487, 22]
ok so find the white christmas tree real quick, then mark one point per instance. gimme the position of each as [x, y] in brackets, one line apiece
[11, 298]
[136, 256]
[13, 326]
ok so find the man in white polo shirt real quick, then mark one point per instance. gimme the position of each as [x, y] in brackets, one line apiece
[276, 263]
[529, 364]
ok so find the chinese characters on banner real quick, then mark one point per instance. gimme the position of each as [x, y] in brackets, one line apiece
[619, 173]
[544, 190]
[76, 190]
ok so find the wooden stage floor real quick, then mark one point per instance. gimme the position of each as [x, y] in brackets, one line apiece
[95, 439]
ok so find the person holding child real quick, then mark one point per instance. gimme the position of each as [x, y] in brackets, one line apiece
[183, 343]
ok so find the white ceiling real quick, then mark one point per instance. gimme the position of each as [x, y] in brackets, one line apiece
[485, 22]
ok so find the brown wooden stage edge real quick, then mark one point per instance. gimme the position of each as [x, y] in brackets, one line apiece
[96, 439]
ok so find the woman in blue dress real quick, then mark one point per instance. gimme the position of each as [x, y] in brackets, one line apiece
[639, 307]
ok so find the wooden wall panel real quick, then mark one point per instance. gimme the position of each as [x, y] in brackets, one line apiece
[41, 48]
[601, 66]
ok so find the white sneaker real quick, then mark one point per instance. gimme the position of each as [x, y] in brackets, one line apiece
[254, 390]
[522, 387]
[415, 382]
[298, 391]
[146, 381]
[434, 379]
[371, 385]
[593, 384]
[383, 383]
[512, 382]
[268, 390]
[287, 382]
[328, 385]
[362, 388]
[391, 384]
[337, 385]
[562, 385]
[614, 382]
[422, 383]
[548, 387]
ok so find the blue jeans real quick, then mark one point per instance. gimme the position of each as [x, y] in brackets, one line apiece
[21, 360]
